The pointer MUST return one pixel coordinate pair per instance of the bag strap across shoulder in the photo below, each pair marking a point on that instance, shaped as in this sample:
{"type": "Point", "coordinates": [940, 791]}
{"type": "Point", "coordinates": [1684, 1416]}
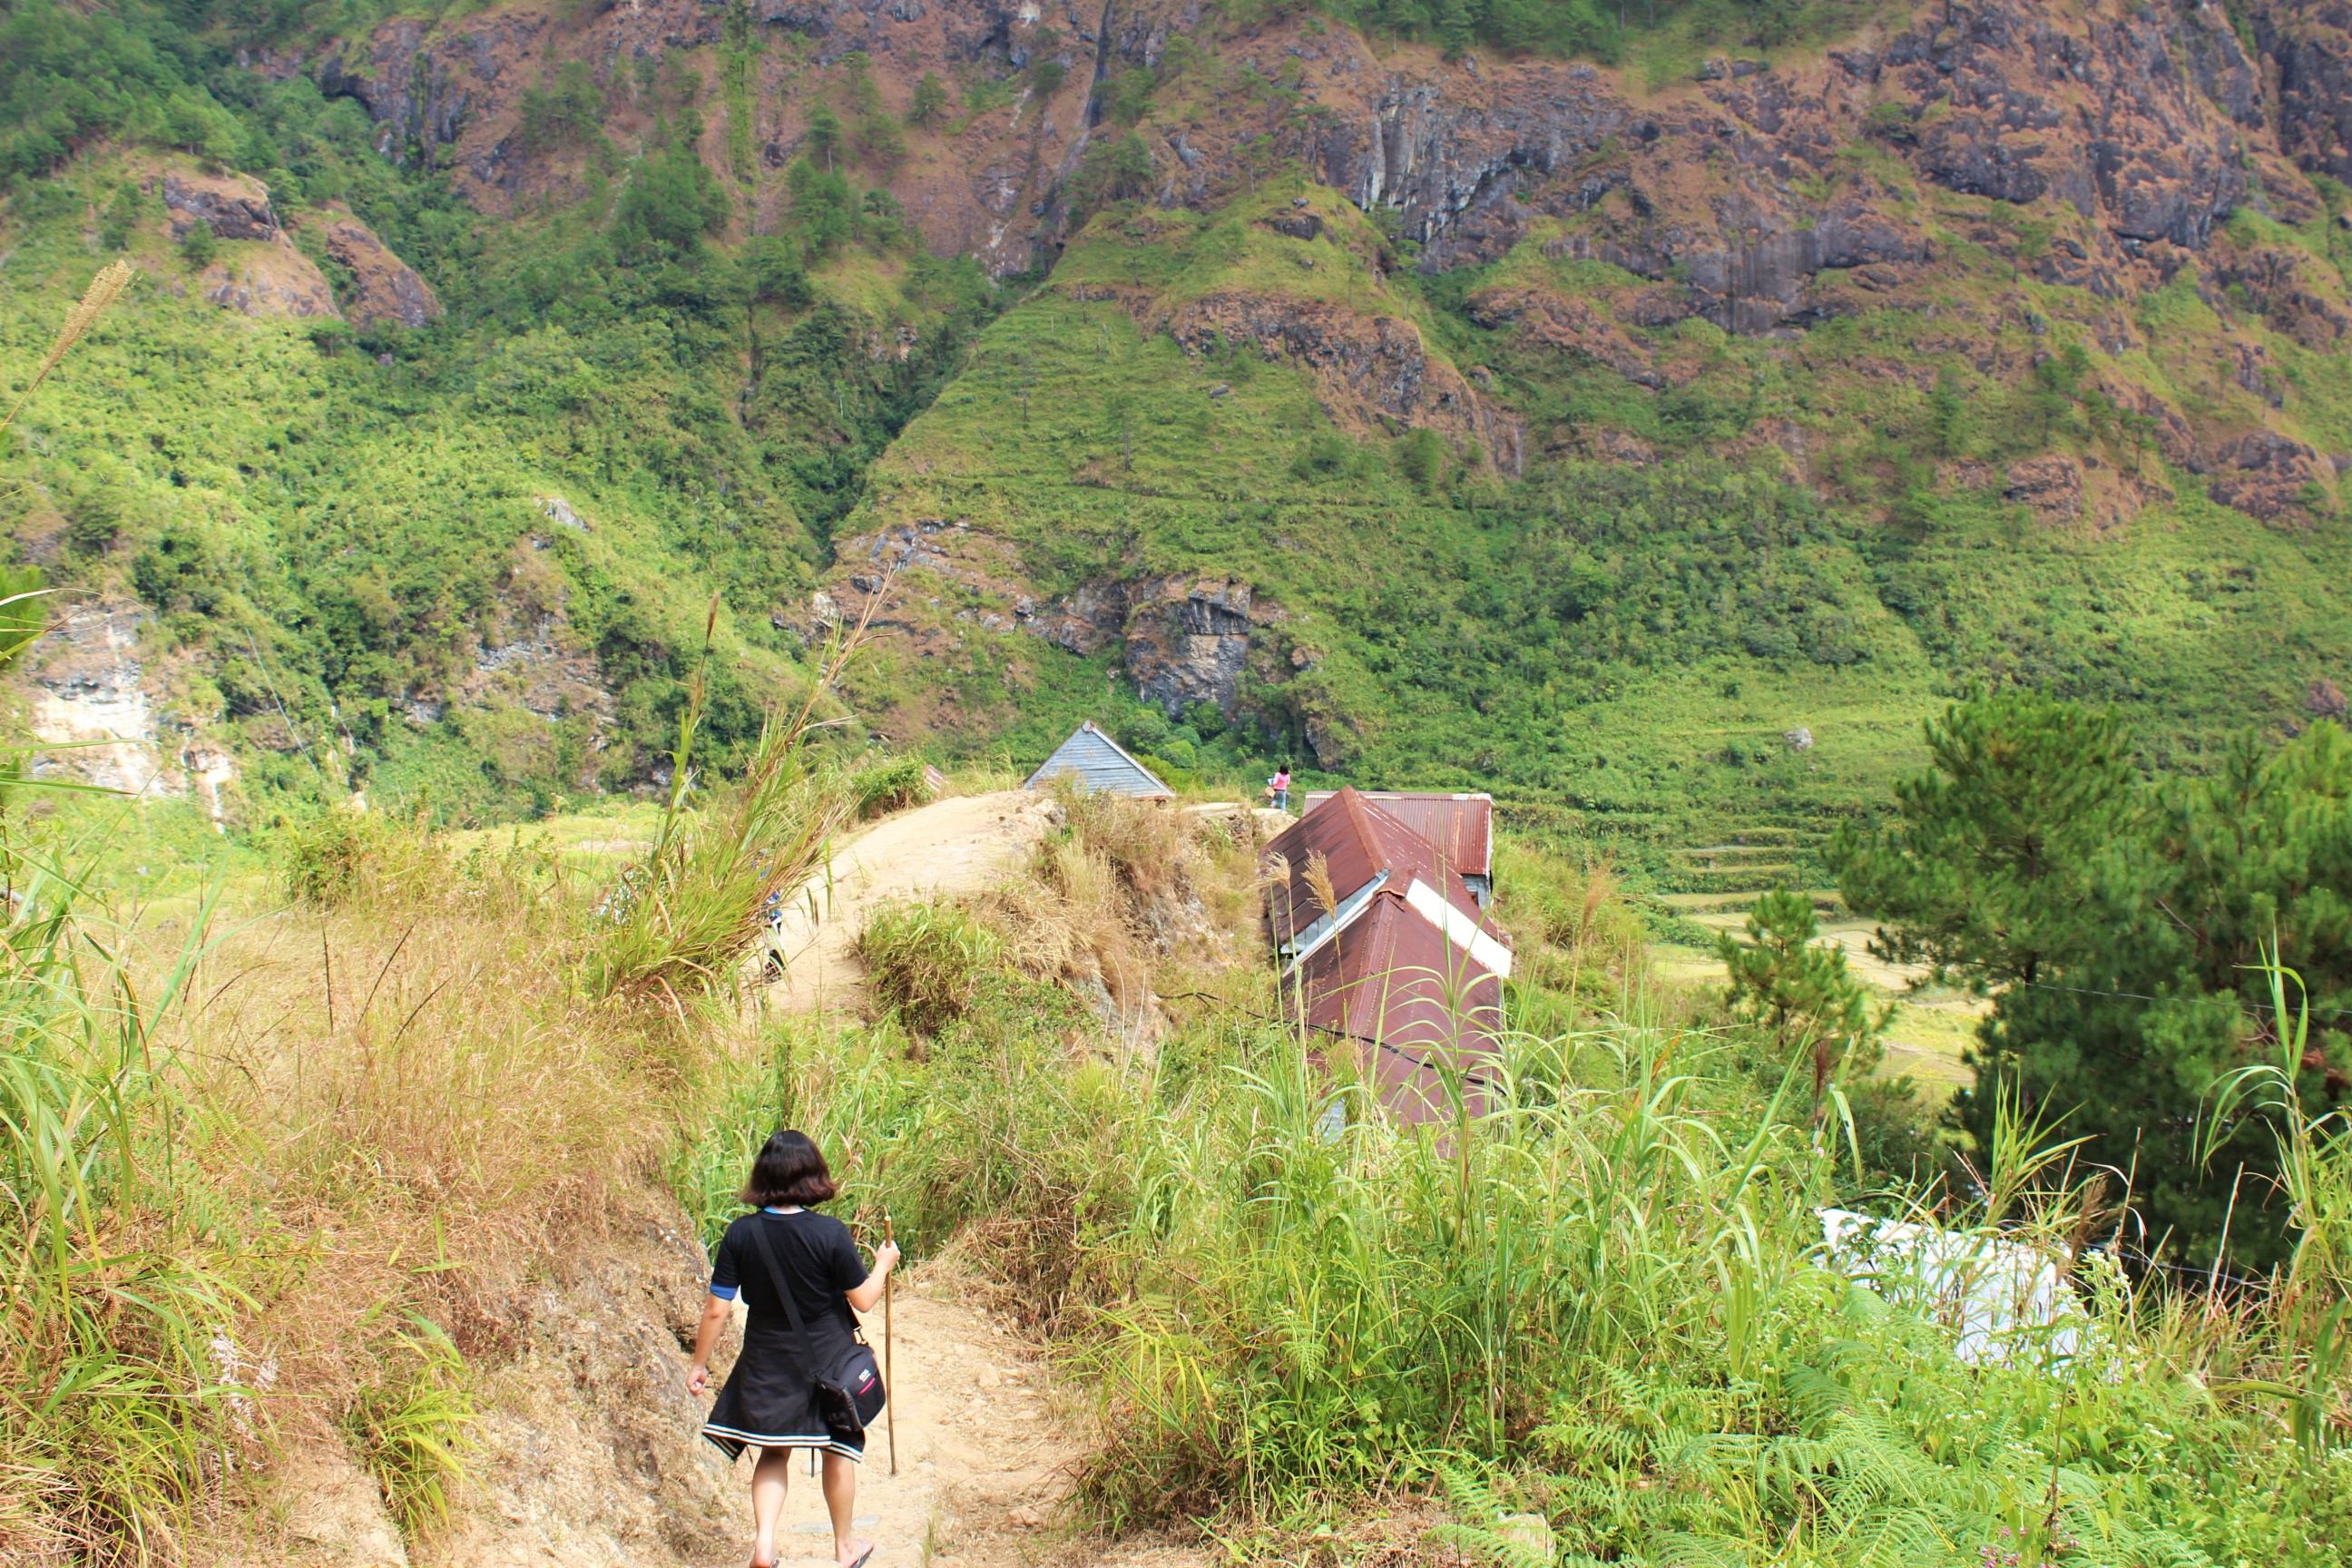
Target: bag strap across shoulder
{"type": "Point", "coordinates": [783, 1286]}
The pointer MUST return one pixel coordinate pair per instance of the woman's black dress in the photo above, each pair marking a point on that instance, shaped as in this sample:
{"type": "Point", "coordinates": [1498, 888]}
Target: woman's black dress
{"type": "Point", "coordinates": [769, 1399]}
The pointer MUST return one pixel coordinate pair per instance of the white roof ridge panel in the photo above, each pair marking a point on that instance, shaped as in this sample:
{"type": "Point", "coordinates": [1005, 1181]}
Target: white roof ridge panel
{"type": "Point", "coordinates": [1458, 928]}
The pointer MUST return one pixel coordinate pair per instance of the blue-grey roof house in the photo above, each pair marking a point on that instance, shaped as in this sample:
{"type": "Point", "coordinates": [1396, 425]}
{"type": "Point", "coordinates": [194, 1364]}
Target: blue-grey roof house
{"type": "Point", "coordinates": [1097, 762]}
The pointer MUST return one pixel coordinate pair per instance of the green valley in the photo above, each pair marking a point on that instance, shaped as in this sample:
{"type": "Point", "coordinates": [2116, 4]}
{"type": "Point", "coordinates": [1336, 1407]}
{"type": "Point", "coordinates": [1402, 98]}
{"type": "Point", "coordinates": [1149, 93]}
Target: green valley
{"type": "Point", "coordinates": [1498, 504]}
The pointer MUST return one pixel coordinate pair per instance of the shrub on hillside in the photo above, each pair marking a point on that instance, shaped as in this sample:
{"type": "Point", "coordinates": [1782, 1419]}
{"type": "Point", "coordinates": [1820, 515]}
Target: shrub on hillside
{"type": "Point", "coordinates": [565, 115]}
{"type": "Point", "coordinates": [1142, 842]}
{"type": "Point", "coordinates": [198, 246]}
{"type": "Point", "coordinates": [927, 961]}
{"type": "Point", "coordinates": [672, 201]}
{"type": "Point", "coordinates": [412, 1426]}
{"type": "Point", "coordinates": [336, 855]}
{"type": "Point", "coordinates": [891, 785]}
{"type": "Point", "coordinates": [823, 214]}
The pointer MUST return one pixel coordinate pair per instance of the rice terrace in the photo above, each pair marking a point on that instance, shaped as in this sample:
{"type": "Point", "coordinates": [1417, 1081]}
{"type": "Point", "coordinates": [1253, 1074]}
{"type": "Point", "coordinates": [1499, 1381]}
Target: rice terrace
{"type": "Point", "coordinates": [1349, 783]}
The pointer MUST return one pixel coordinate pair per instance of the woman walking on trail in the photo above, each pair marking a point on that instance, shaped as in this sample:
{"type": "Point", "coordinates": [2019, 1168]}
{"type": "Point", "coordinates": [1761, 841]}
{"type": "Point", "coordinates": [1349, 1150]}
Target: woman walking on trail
{"type": "Point", "coordinates": [768, 1401]}
{"type": "Point", "coordinates": [1277, 788]}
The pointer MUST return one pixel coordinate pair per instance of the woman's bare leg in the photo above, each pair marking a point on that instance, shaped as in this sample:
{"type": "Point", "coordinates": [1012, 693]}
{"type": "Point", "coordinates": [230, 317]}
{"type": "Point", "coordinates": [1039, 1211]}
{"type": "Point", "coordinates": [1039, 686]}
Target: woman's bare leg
{"type": "Point", "coordinates": [769, 1478]}
{"type": "Point", "coordinates": [841, 1501]}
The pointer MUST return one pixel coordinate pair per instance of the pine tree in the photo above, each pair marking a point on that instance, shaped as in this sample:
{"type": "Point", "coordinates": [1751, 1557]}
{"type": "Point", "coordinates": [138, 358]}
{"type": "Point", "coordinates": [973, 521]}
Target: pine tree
{"type": "Point", "coordinates": [1783, 980]}
{"type": "Point", "coordinates": [1457, 27]}
{"type": "Point", "coordinates": [929, 102]}
{"type": "Point", "coordinates": [2121, 923]}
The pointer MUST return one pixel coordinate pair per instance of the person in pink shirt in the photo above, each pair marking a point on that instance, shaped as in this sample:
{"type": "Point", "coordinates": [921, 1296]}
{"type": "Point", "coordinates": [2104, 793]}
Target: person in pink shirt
{"type": "Point", "coordinates": [1277, 788]}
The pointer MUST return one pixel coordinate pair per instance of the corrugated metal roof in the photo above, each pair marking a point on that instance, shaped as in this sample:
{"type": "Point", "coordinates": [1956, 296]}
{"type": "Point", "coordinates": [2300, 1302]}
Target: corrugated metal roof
{"type": "Point", "coordinates": [1358, 840]}
{"type": "Point", "coordinates": [1410, 1003]}
{"type": "Point", "coordinates": [1097, 762]}
{"type": "Point", "coordinates": [1406, 966]}
{"type": "Point", "coordinates": [1462, 826]}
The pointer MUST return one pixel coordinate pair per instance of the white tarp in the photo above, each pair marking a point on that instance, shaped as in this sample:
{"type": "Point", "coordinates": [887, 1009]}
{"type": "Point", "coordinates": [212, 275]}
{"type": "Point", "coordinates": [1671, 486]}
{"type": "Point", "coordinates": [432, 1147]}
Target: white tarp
{"type": "Point", "coordinates": [2005, 1302]}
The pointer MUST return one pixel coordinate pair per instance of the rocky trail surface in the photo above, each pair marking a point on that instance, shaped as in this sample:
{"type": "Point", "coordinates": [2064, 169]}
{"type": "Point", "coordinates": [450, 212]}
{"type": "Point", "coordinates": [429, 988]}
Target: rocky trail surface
{"type": "Point", "coordinates": [952, 845]}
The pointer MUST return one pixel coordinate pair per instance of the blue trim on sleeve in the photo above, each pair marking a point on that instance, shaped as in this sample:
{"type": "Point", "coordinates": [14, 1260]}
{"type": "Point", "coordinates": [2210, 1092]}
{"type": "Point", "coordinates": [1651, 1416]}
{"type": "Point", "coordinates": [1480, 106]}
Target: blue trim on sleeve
{"type": "Point", "coordinates": [724, 1292]}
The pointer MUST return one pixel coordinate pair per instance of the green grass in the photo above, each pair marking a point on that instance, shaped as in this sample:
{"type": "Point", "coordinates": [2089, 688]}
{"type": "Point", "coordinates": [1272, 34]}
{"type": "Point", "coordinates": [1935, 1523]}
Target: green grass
{"type": "Point", "coordinates": [927, 962]}
{"type": "Point", "coordinates": [120, 1267]}
{"type": "Point", "coordinates": [1601, 1306]}
{"type": "Point", "coordinates": [412, 1428]}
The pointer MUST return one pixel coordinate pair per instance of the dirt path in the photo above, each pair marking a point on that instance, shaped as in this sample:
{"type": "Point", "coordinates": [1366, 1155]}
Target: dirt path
{"type": "Point", "coordinates": [950, 846]}
{"type": "Point", "coordinates": [985, 1454]}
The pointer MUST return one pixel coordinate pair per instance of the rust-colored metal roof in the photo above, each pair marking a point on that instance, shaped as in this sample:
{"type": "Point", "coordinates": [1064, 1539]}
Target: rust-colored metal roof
{"type": "Point", "coordinates": [1358, 840]}
{"type": "Point", "coordinates": [1412, 1003]}
{"type": "Point", "coordinates": [1406, 966]}
{"type": "Point", "coordinates": [1461, 827]}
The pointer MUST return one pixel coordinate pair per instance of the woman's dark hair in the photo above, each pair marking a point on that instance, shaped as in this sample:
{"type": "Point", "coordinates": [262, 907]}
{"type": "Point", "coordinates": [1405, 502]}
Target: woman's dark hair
{"type": "Point", "coordinates": [788, 1171]}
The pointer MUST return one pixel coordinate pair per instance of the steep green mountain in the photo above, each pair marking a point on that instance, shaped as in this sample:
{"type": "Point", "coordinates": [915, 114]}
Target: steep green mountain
{"type": "Point", "coordinates": [1649, 418]}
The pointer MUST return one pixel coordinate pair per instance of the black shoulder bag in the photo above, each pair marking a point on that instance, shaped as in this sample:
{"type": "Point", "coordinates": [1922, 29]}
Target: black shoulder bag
{"type": "Point", "coordinates": [848, 1395]}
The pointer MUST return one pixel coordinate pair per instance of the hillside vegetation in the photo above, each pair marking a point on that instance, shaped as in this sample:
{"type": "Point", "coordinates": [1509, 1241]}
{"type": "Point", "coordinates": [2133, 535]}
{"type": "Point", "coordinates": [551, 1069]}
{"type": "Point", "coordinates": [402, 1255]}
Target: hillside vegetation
{"type": "Point", "coordinates": [1761, 443]}
{"type": "Point", "coordinates": [1678, 520]}
{"type": "Point", "coordinates": [309, 1237]}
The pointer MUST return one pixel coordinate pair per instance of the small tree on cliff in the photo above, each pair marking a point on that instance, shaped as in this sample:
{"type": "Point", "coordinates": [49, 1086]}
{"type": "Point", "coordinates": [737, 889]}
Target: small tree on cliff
{"type": "Point", "coordinates": [931, 101]}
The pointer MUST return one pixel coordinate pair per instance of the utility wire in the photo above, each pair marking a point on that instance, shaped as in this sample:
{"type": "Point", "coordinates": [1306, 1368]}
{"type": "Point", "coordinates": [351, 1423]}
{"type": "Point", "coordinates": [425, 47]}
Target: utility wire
{"type": "Point", "coordinates": [1468, 1074]}
{"type": "Point", "coordinates": [2143, 997]}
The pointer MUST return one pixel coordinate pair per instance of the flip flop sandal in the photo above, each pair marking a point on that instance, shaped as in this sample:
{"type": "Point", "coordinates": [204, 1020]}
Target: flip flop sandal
{"type": "Point", "coordinates": [863, 1558]}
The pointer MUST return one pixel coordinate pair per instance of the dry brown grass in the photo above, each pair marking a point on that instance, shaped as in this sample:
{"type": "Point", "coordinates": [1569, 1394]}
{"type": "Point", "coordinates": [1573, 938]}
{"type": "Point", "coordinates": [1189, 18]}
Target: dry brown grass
{"type": "Point", "coordinates": [414, 1097]}
{"type": "Point", "coordinates": [1130, 901]}
{"type": "Point", "coordinates": [1576, 933]}
{"type": "Point", "coordinates": [1110, 900]}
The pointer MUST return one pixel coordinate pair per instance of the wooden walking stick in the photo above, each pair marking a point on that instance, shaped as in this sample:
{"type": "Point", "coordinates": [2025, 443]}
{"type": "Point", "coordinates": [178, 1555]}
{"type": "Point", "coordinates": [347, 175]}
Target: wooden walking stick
{"type": "Point", "coordinates": [890, 1403]}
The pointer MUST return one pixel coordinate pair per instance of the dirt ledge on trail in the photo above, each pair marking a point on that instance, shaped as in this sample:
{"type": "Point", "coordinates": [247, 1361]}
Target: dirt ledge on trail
{"type": "Point", "coordinates": [592, 1452]}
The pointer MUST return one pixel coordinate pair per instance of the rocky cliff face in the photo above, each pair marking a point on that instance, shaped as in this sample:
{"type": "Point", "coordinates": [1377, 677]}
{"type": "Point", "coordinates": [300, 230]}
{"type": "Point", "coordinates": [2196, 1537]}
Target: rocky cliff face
{"type": "Point", "coordinates": [1762, 196]}
{"type": "Point", "coordinates": [279, 278]}
{"type": "Point", "coordinates": [2147, 121]}
{"type": "Point", "coordinates": [2005, 176]}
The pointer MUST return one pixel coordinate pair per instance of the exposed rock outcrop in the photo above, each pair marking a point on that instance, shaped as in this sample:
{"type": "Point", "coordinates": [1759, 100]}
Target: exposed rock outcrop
{"type": "Point", "coordinates": [2264, 474]}
{"type": "Point", "coordinates": [1189, 641]}
{"type": "Point", "coordinates": [236, 205]}
{"type": "Point", "coordinates": [1374, 367]}
{"type": "Point", "coordinates": [280, 279]}
{"type": "Point", "coordinates": [2310, 48]}
{"type": "Point", "coordinates": [383, 287]}
{"type": "Point", "coordinates": [93, 696]}
{"type": "Point", "coordinates": [277, 281]}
